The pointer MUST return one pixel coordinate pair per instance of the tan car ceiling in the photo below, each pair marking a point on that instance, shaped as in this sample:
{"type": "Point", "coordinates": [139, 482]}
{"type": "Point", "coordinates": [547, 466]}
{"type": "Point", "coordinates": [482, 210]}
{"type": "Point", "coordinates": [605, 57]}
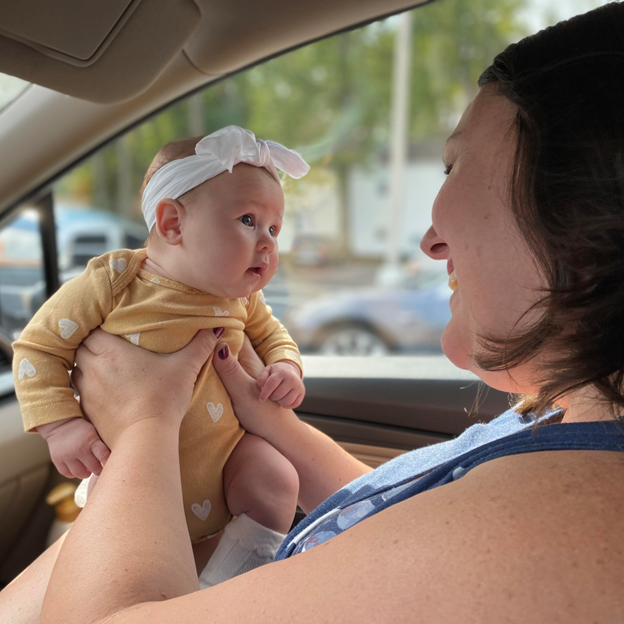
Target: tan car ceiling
{"type": "Point", "coordinates": [110, 51]}
{"type": "Point", "coordinates": [118, 64]}
{"type": "Point", "coordinates": [233, 34]}
{"type": "Point", "coordinates": [43, 132]}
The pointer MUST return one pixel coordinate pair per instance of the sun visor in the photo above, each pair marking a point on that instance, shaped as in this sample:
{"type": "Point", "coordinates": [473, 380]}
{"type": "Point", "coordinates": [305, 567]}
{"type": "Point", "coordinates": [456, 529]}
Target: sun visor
{"type": "Point", "coordinates": [99, 51]}
{"type": "Point", "coordinates": [266, 28]}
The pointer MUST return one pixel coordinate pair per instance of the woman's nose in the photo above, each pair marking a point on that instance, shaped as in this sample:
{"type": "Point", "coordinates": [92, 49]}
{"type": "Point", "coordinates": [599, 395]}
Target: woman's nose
{"type": "Point", "coordinates": [433, 245]}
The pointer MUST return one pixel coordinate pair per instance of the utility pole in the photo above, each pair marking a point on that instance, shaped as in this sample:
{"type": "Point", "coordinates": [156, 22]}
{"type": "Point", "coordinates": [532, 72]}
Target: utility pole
{"type": "Point", "coordinates": [390, 273]}
{"type": "Point", "coordinates": [195, 115]}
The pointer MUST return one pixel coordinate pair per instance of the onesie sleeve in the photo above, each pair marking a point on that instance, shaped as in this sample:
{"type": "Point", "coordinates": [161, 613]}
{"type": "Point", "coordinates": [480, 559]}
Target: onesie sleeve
{"type": "Point", "coordinates": [268, 336]}
{"type": "Point", "coordinates": [44, 353]}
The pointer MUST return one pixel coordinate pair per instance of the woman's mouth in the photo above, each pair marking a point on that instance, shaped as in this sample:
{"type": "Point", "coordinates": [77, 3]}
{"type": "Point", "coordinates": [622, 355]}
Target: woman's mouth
{"type": "Point", "coordinates": [452, 281]}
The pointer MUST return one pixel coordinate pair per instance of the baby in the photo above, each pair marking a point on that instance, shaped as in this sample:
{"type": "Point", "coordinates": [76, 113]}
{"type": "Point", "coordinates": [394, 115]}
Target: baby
{"type": "Point", "coordinates": [214, 209]}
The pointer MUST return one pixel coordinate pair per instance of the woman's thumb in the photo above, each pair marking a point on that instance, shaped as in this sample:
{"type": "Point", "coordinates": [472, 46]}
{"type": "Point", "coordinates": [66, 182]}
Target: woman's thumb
{"type": "Point", "coordinates": [199, 349]}
{"type": "Point", "coordinates": [230, 371]}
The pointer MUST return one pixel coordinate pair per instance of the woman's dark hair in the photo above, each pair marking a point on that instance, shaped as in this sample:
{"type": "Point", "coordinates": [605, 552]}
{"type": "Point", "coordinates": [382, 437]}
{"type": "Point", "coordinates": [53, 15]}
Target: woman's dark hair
{"type": "Point", "coordinates": [567, 199]}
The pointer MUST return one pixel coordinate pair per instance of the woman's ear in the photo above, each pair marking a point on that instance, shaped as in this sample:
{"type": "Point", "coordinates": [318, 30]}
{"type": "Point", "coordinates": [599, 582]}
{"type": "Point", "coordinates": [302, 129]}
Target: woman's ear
{"type": "Point", "coordinates": [169, 216]}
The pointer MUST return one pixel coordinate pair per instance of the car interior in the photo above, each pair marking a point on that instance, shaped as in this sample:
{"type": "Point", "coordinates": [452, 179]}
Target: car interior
{"type": "Point", "coordinates": [94, 71]}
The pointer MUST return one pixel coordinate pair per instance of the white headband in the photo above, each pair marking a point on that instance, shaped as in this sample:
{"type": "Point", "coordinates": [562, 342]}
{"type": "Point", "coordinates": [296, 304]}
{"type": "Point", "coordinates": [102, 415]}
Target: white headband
{"type": "Point", "coordinates": [214, 154]}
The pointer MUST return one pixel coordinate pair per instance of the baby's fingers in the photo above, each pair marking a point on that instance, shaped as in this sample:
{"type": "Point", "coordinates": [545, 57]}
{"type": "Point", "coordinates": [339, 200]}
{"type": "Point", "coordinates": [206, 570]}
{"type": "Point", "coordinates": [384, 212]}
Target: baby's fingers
{"type": "Point", "coordinates": [92, 464]}
{"type": "Point", "coordinates": [63, 469]}
{"type": "Point", "coordinates": [271, 384]}
{"type": "Point", "coordinates": [281, 392]}
{"type": "Point", "coordinates": [263, 376]}
{"type": "Point", "coordinates": [292, 400]}
{"type": "Point", "coordinates": [101, 452]}
{"type": "Point", "coordinates": [288, 401]}
{"type": "Point", "coordinates": [78, 469]}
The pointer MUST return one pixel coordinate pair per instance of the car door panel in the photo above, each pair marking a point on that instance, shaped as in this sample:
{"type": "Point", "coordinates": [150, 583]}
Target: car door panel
{"type": "Point", "coordinates": [24, 471]}
{"type": "Point", "coordinates": [405, 401]}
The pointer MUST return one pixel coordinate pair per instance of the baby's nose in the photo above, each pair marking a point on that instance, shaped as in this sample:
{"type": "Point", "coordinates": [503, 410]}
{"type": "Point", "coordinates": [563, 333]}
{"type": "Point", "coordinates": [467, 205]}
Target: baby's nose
{"type": "Point", "coordinates": [267, 243]}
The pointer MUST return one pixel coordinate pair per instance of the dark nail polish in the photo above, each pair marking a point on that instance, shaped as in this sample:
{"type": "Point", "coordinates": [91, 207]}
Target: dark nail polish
{"type": "Point", "coordinates": [224, 351]}
{"type": "Point", "coordinates": [218, 331]}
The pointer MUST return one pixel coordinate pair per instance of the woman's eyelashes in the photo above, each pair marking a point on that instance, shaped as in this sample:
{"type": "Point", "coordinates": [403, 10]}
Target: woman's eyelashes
{"type": "Point", "coordinates": [448, 169]}
{"type": "Point", "coordinates": [248, 220]}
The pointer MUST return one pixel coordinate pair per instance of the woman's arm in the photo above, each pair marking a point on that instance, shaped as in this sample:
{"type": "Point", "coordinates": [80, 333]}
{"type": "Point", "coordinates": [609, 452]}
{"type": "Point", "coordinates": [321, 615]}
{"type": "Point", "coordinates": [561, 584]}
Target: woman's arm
{"type": "Point", "coordinates": [323, 466]}
{"type": "Point", "coordinates": [136, 507]}
{"type": "Point", "coordinates": [496, 545]}
{"type": "Point", "coordinates": [137, 400]}
{"type": "Point", "coordinates": [488, 548]}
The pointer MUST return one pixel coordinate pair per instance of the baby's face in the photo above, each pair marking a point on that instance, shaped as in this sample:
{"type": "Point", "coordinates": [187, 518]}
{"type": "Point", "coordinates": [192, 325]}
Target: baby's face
{"type": "Point", "coordinates": [230, 233]}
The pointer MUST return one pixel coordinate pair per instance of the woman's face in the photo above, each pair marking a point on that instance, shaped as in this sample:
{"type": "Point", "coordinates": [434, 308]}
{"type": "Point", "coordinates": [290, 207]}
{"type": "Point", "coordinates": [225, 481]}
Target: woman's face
{"type": "Point", "coordinates": [497, 279]}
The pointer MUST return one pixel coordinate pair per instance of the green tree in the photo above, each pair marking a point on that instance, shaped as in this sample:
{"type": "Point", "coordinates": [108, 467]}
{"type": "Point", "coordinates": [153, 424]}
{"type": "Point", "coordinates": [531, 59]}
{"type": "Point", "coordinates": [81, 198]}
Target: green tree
{"type": "Point", "coordinates": [331, 100]}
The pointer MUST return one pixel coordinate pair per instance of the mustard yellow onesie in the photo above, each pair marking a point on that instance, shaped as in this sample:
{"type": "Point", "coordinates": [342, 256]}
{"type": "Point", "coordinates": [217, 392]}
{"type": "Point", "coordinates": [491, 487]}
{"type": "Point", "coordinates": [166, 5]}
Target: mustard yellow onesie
{"type": "Point", "coordinates": [160, 315]}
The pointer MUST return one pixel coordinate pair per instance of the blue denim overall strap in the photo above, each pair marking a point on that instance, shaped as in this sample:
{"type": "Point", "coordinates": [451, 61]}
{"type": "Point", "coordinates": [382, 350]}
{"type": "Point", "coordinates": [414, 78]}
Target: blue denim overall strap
{"type": "Point", "coordinates": [373, 493]}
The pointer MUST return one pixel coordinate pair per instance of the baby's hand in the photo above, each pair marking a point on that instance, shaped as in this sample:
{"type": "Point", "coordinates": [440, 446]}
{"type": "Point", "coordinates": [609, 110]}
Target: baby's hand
{"type": "Point", "coordinates": [75, 447]}
{"type": "Point", "coordinates": [281, 382]}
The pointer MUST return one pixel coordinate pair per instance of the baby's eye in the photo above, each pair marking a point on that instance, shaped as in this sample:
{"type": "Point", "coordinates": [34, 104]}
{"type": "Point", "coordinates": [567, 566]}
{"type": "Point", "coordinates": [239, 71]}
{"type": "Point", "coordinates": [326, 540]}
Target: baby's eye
{"type": "Point", "coordinates": [273, 231]}
{"type": "Point", "coordinates": [247, 220]}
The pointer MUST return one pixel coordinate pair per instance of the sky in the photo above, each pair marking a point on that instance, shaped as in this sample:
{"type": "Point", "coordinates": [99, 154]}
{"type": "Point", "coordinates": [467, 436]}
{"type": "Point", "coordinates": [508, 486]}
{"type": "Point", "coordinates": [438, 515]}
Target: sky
{"type": "Point", "coordinates": [541, 13]}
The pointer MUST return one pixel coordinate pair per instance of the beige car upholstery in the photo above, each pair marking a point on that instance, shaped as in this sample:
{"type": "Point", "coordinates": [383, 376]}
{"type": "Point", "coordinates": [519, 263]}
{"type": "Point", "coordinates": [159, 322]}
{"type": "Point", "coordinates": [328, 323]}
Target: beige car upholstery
{"type": "Point", "coordinates": [56, 45]}
{"type": "Point", "coordinates": [110, 51]}
{"type": "Point", "coordinates": [236, 33]}
{"type": "Point", "coordinates": [24, 470]}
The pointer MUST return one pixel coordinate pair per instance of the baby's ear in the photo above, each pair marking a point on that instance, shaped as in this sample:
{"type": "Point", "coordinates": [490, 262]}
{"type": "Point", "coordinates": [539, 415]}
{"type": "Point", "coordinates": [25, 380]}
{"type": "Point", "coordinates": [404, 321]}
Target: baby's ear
{"type": "Point", "coordinates": [169, 216]}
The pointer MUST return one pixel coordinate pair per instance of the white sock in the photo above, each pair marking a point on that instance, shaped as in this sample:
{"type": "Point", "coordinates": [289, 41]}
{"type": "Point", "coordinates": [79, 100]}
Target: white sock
{"type": "Point", "coordinates": [245, 545]}
{"type": "Point", "coordinates": [84, 490]}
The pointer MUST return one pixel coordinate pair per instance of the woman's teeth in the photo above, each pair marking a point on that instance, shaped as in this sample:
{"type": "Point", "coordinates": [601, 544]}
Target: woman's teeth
{"type": "Point", "coordinates": [452, 280]}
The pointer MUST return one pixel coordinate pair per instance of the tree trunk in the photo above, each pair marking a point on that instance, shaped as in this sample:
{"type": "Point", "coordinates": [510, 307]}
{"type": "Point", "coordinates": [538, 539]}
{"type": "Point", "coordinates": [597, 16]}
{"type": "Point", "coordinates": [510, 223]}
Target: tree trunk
{"type": "Point", "coordinates": [195, 119]}
{"type": "Point", "coordinates": [124, 178]}
{"type": "Point", "coordinates": [101, 195]}
{"type": "Point", "coordinates": [341, 169]}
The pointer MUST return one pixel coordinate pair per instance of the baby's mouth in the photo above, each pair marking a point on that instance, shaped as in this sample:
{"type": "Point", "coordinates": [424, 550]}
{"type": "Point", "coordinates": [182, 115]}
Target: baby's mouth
{"type": "Point", "coordinates": [258, 270]}
{"type": "Point", "coordinates": [452, 280]}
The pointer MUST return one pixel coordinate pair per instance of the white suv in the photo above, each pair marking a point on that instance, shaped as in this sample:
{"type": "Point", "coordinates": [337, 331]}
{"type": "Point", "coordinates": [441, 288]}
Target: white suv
{"type": "Point", "coordinates": [81, 234]}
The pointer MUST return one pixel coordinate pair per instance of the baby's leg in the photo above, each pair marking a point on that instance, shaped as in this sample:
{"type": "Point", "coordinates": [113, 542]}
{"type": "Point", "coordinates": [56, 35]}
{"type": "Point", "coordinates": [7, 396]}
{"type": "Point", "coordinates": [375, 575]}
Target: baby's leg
{"type": "Point", "coordinates": [260, 482]}
{"type": "Point", "coordinates": [261, 489]}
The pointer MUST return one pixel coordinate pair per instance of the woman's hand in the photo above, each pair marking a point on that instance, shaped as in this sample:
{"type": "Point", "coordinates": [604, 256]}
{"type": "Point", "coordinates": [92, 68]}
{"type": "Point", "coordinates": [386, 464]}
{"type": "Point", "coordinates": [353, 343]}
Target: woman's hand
{"type": "Point", "coordinates": [120, 384]}
{"type": "Point", "coordinates": [239, 379]}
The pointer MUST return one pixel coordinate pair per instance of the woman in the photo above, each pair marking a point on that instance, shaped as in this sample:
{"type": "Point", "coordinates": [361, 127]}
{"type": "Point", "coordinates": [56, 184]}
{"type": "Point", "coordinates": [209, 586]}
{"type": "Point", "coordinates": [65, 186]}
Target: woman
{"type": "Point", "coordinates": [517, 523]}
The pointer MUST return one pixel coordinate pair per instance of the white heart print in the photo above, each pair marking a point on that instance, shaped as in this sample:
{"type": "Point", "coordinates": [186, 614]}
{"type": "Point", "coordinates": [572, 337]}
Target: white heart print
{"type": "Point", "coordinates": [155, 280]}
{"type": "Point", "coordinates": [134, 338]}
{"type": "Point", "coordinates": [220, 312]}
{"type": "Point", "coordinates": [26, 368]}
{"type": "Point", "coordinates": [245, 301]}
{"type": "Point", "coordinates": [68, 326]}
{"type": "Point", "coordinates": [215, 411]}
{"type": "Point", "coordinates": [118, 264]}
{"type": "Point", "coordinates": [201, 511]}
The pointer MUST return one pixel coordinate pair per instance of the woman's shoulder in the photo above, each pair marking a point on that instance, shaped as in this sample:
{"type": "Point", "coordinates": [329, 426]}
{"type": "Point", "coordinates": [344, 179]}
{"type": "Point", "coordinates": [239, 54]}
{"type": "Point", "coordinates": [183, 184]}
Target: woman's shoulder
{"type": "Point", "coordinates": [532, 537]}
{"type": "Point", "coordinates": [531, 533]}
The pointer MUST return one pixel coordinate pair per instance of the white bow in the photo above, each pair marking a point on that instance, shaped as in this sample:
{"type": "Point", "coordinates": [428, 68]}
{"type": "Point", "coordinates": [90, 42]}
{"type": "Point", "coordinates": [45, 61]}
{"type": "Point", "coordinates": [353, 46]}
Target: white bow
{"type": "Point", "coordinates": [214, 154]}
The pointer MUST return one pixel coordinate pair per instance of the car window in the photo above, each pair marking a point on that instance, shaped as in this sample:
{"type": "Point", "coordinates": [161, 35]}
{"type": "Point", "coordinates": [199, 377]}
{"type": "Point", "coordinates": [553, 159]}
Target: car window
{"type": "Point", "coordinates": [10, 89]}
{"type": "Point", "coordinates": [21, 269]}
{"type": "Point", "coordinates": [352, 280]}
